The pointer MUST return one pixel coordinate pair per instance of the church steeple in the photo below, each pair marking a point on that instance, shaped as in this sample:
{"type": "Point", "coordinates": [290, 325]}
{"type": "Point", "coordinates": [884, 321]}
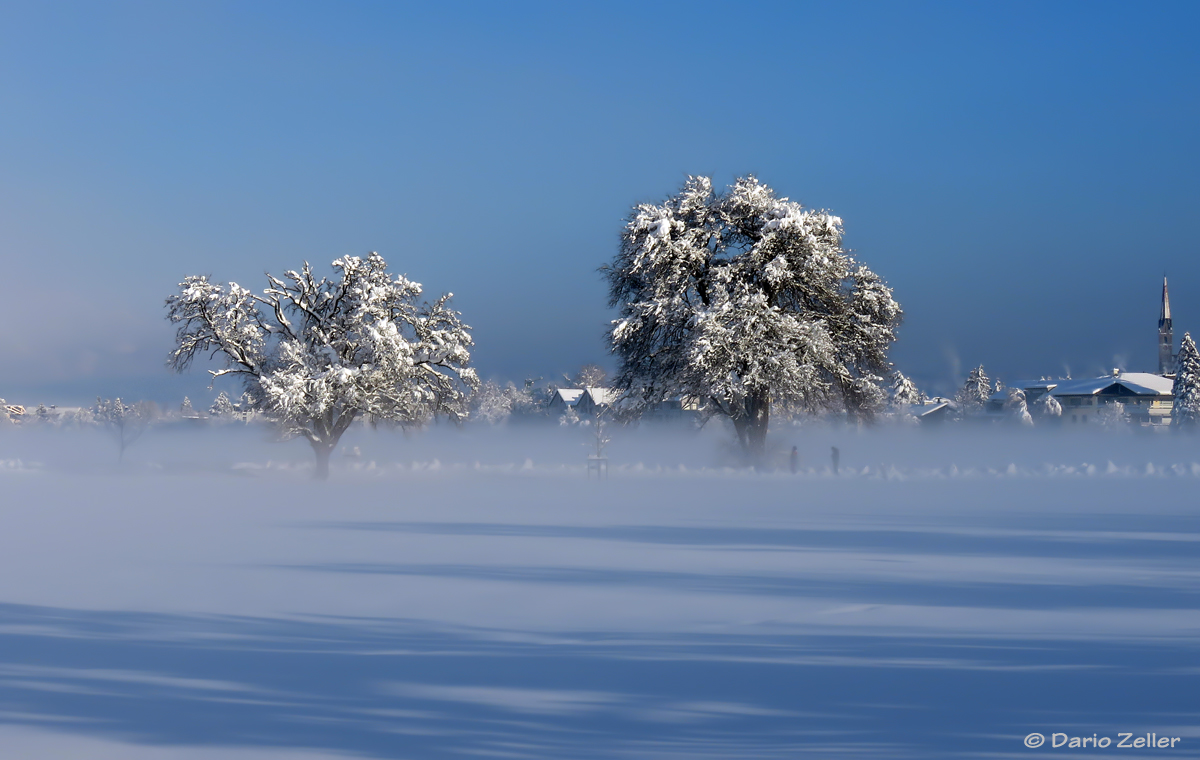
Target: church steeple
{"type": "Point", "coordinates": [1166, 341]}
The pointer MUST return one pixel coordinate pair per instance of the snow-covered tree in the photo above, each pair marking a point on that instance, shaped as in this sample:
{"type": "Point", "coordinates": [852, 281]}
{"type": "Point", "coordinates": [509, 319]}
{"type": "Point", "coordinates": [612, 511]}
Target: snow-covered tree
{"type": "Point", "coordinates": [529, 399]}
{"type": "Point", "coordinates": [975, 391]}
{"type": "Point", "coordinates": [124, 422]}
{"type": "Point", "coordinates": [1185, 413]}
{"type": "Point", "coordinates": [315, 355]}
{"type": "Point", "coordinates": [590, 376]}
{"type": "Point", "coordinates": [746, 301]}
{"type": "Point", "coordinates": [569, 417]}
{"type": "Point", "coordinates": [1047, 406]}
{"type": "Point", "coordinates": [1112, 415]}
{"type": "Point", "coordinates": [222, 408]}
{"type": "Point", "coordinates": [491, 403]}
{"type": "Point", "coordinates": [904, 391]}
{"type": "Point", "coordinates": [1016, 407]}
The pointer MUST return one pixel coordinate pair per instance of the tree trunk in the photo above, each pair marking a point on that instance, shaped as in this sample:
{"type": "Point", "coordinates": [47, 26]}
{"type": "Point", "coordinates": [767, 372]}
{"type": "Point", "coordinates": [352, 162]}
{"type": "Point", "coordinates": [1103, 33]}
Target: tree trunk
{"type": "Point", "coordinates": [751, 427]}
{"type": "Point", "coordinates": [756, 435]}
{"type": "Point", "coordinates": [322, 450]}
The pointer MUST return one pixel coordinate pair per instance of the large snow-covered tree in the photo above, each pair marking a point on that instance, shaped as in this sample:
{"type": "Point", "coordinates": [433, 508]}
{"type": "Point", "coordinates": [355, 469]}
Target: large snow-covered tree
{"type": "Point", "coordinates": [1186, 411]}
{"type": "Point", "coordinates": [317, 354]}
{"type": "Point", "coordinates": [747, 302]}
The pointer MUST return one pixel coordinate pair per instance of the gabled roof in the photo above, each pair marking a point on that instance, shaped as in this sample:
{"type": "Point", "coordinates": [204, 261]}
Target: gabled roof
{"type": "Point", "coordinates": [601, 396]}
{"type": "Point", "coordinates": [569, 396]}
{"type": "Point", "coordinates": [1139, 383]}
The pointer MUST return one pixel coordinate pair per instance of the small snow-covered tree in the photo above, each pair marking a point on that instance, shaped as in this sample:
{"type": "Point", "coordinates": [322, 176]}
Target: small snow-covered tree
{"type": "Point", "coordinates": [123, 422]}
{"type": "Point", "coordinates": [590, 376]}
{"type": "Point", "coordinates": [1047, 406]}
{"type": "Point", "coordinates": [528, 399]}
{"type": "Point", "coordinates": [1112, 415]}
{"type": "Point", "coordinates": [1016, 407]}
{"type": "Point", "coordinates": [491, 403]}
{"type": "Point", "coordinates": [569, 417]}
{"type": "Point", "coordinates": [904, 391]}
{"type": "Point", "coordinates": [317, 354]}
{"type": "Point", "coordinates": [746, 301]}
{"type": "Point", "coordinates": [222, 408]}
{"type": "Point", "coordinates": [975, 391]}
{"type": "Point", "coordinates": [1185, 413]}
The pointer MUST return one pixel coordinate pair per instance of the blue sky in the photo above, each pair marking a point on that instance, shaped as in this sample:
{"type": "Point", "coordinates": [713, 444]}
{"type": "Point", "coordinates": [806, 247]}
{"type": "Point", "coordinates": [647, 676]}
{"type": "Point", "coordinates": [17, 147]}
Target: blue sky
{"type": "Point", "coordinates": [1023, 174]}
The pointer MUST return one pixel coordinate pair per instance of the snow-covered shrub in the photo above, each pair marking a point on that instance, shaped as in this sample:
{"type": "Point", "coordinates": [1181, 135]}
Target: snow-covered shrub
{"type": "Point", "coordinates": [1185, 413]}
{"type": "Point", "coordinates": [1016, 407]}
{"type": "Point", "coordinates": [1047, 406]}
{"type": "Point", "coordinates": [1112, 415]}
{"type": "Point", "coordinates": [320, 354]}
{"type": "Point", "coordinates": [746, 301]}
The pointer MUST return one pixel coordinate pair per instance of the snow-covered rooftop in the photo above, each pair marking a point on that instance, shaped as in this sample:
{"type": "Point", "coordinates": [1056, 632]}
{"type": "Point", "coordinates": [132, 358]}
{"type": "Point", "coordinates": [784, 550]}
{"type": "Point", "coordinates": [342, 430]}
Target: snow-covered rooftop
{"type": "Point", "coordinates": [1140, 383]}
{"type": "Point", "coordinates": [928, 408]}
{"type": "Point", "coordinates": [601, 396]}
{"type": "Point", "coordinates": [569, 396]}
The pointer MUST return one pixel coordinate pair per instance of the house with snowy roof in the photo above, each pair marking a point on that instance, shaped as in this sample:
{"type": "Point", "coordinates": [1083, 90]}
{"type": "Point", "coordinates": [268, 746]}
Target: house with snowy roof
{"type": "Point", "coordinates": [594, 400]}
{"type": "Point", "coordinates": [563, 399]}
{"type": "Point", "coordinates": [933, 410]}
{"type": "Point", "coordinates": [1147, 399]}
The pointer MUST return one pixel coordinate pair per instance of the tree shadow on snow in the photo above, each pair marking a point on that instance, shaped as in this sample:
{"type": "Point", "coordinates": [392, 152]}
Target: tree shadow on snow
{"type": "Point", "coordinates": [394, 688]}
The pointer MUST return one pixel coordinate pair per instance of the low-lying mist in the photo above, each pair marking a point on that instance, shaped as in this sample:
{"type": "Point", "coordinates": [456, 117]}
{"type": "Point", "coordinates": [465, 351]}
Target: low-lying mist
{"type": "Point", "coordinates": [863, 451]}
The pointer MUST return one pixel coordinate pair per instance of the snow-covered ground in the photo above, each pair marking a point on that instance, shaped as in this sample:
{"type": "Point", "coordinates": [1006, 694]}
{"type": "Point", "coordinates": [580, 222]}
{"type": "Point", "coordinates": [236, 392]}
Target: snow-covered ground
{"type": "Point", "coordinates": [467, 593]}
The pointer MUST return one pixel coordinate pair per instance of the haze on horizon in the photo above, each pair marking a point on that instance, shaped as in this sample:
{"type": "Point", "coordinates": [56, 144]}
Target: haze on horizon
{"type": "Point", "coordinates": [1023, 175]}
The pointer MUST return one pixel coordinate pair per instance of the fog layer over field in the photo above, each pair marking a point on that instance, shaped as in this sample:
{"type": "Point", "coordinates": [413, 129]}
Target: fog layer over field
{"type": "Point", "coordinates": [464, 592]}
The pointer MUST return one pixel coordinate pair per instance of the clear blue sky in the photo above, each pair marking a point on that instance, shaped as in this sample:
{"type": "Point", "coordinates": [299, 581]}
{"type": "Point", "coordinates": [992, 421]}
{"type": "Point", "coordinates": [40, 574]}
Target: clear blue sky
{"type": "Point", "coordinates": [1022, 173]}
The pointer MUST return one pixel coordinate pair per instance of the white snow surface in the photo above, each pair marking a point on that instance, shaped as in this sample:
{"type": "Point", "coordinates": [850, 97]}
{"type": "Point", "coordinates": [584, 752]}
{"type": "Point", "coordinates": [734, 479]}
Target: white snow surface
{"type": "Point", "coordinates": [470, 592]}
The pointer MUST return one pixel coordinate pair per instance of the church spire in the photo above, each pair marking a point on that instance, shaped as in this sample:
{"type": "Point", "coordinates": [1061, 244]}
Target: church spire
{"type": "Point", "coordinates": [1164, 316]}
{"type": "Point", "coordinates": [1166, 341]}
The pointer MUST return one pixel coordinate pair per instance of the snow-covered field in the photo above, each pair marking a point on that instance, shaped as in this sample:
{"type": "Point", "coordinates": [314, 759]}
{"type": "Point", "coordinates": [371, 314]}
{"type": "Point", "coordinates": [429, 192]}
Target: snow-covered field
{"type": "Point", "coordinates": [470, 593]}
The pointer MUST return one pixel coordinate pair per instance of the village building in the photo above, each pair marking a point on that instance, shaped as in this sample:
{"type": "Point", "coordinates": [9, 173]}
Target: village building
{"type": "Point", "coordinates": [594, 400]}
{"type": "Point", "coordinates": [1146, 398]}
{"type": "Point", "coordinates": [563, 399]}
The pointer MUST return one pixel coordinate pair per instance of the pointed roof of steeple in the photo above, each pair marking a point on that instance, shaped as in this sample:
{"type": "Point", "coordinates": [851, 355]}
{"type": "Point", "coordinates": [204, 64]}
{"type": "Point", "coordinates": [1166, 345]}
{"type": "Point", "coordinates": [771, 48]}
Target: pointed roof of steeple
{"type": "Point", "coordinates": [1165, 314]}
